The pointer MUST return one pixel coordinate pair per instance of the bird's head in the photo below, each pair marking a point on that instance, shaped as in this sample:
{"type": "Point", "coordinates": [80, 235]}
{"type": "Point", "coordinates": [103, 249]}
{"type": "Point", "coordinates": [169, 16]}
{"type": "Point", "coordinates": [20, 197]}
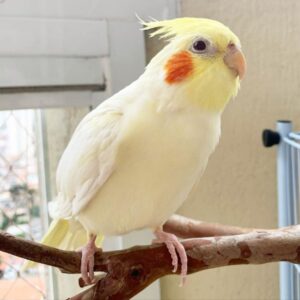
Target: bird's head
{"type": "Point", "coordinates": [202, 62]}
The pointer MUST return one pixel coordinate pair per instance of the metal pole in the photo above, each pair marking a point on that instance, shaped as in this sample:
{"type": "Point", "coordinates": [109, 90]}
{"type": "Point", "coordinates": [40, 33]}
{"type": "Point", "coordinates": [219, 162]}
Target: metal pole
{"type": "Point", "coordinates": [284, 198]}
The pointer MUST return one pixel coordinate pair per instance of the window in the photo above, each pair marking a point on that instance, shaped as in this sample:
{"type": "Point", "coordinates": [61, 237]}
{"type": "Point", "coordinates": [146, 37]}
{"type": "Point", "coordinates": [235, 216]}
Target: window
{"type": "Point", "coordinates": [59, 60]}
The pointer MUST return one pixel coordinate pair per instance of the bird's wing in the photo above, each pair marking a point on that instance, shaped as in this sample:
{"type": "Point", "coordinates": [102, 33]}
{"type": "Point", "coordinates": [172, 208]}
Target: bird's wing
{"type": "Point", "coordinates": [88, 160]}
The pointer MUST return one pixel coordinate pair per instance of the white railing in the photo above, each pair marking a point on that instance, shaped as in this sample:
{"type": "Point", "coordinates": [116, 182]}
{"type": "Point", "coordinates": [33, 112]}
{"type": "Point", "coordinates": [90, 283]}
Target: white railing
{"type": "Point", "coordinates": [288, 176]}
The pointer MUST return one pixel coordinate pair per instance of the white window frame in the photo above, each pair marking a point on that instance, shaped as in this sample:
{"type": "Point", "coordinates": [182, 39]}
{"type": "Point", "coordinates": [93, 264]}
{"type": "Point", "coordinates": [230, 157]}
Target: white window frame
{"type": "Point", "coordinates": [96, 63]}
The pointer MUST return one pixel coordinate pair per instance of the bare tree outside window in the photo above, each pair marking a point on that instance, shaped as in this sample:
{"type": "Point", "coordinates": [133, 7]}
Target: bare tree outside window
{"type": "Point", "coordinates": [19, 201]}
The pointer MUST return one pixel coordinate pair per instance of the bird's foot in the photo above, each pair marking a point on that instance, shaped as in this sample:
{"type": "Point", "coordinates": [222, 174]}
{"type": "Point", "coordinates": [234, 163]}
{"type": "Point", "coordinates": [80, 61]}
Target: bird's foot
{"type": "Point", "coordinates": [173, 245]}
{"type": "Point", "coordinates": [87, 261]}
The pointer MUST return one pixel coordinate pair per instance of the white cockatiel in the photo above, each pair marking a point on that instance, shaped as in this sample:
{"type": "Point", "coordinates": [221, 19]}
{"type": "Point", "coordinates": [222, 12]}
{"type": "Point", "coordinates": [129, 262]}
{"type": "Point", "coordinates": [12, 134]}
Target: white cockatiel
{"type": "Point", "coordinates": [133, 160]}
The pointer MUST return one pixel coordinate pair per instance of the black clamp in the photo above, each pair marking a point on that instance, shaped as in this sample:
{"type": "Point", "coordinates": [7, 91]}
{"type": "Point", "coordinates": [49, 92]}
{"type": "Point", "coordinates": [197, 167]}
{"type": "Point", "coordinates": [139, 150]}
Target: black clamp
{"type": "Point", "coordinates": [270, 138]}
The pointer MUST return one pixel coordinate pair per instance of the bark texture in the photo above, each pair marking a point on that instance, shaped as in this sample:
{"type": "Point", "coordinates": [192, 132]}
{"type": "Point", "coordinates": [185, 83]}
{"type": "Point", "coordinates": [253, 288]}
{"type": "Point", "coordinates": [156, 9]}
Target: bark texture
{"type": "Point", "coordinates": [131, 270]}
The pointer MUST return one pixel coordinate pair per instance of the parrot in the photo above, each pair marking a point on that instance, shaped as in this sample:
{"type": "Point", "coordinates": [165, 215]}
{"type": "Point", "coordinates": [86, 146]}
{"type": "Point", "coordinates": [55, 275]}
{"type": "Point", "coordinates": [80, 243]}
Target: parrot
{"type": "Point", "coordinates": [134, 159]}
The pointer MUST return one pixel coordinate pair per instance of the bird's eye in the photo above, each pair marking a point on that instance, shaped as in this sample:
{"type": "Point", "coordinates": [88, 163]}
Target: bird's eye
{"type": "Point", "coordinates": [200, 46]}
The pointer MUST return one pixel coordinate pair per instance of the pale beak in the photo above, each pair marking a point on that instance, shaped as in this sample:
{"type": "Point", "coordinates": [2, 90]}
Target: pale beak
{"type": "Point", "coordinates": [235, 60]}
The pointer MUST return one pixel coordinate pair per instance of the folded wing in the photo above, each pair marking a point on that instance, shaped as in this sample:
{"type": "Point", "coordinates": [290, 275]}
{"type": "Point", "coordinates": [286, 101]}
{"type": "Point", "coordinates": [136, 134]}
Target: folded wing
{"type": "Point", "coordinates": [88, 160]}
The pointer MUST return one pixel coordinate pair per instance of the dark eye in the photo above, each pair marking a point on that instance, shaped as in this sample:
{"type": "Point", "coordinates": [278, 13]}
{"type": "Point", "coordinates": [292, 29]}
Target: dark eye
{"type": "Point", "coordinates": [199, 46]}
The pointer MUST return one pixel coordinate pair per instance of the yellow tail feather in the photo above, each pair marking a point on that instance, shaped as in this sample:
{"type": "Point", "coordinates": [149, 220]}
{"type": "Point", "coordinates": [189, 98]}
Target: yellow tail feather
{"type": "Point", "coordinates": [65, 235]}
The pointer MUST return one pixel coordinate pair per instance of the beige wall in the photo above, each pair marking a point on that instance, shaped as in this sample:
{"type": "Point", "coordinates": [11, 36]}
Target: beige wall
{"type": "Point", "coordinates": [239, 185]}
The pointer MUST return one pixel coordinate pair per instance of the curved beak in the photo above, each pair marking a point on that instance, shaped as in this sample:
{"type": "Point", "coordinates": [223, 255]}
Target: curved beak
{"type": "Point", "coordinates": [235, 60]}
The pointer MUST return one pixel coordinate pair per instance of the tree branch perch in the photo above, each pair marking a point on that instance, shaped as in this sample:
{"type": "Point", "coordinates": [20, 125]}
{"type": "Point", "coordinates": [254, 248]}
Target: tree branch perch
{"type": "Point", "coordinates": [131, 270]}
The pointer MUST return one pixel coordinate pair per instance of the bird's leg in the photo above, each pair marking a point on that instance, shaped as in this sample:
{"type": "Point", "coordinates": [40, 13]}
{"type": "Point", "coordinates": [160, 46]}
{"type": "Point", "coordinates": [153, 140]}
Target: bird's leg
{"type": "Point", "coordinates": [87, 260]}
{"type": "Point", "coordinates": [173, 245]}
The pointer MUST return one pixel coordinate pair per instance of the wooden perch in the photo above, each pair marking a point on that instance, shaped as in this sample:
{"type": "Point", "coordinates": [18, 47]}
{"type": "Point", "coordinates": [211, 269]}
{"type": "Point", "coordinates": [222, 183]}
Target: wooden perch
{"type": "Point", "coordinates": [130, 271]}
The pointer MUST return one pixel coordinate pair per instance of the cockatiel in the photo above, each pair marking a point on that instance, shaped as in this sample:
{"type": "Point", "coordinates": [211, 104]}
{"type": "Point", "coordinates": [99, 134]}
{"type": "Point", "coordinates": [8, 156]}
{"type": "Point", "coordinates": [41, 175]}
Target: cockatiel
{"type": "Point", "coordinates": [133, 160]}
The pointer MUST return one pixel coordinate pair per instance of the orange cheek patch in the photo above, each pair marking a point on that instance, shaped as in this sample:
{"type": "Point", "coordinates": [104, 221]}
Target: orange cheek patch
{"type": "Point", "coordinates": [178, 67]}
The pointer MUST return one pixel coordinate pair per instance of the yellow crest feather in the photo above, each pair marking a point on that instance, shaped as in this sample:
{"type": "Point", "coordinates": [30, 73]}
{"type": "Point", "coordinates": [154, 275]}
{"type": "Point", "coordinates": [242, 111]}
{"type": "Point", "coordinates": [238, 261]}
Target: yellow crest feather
{"type": "Point", "coordinates": [187, 26]}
